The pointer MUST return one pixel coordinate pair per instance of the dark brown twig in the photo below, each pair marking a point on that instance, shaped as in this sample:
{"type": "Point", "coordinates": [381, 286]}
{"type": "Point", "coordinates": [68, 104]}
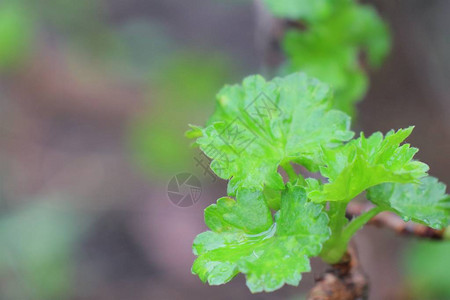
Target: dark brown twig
{"type": "Point", "coordinates": [344, 281]}
{"type": "Point", "coordinates": [394, 222]}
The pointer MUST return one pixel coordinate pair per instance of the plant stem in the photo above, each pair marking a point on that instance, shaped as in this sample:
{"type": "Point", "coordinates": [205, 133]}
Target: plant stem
{"type": "Point", "coordinates": [290, 171]}
{"type": "Point", "coordinates": [338, 219]}
{"type": "Point", "coordinates": [333, 249]}
{"type": "Point", "coordinates": [336, 246]}
{"type": "Point", "coordinates": [359, 222]}
{"type": "Point", "coordinates": [394, 222]}
{"type": "Point", "coordinates": [301, 179]}
{"type": "Point", "coordinates": [346, 279]}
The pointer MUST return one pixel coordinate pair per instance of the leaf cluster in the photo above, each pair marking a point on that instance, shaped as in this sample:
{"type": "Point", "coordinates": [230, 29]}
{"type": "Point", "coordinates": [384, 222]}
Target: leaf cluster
{"type": "Point", "coordinates": [336, 33]}
{"type": "Point", "coordinates": [274, 224]}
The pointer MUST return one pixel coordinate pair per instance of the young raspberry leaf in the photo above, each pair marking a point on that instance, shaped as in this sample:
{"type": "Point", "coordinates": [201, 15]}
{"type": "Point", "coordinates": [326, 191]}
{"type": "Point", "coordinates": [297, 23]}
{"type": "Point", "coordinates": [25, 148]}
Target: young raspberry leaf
{"type": "Point", "coordinates": [263, 124]}
{"type": "Point", "coordinates": [366, 162]}
{"type": "Point", "coordinates": [425, 203]}
{"type": "Point", "coordinates": [245, 239]}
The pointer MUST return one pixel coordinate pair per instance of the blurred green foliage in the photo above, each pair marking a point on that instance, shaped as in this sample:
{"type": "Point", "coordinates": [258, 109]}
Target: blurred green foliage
{"type": "Point", "coordinates": [76, 22]}
{"type": "Point", "coordinates": [182, 92]}
{"type": "Point", "coordinates": [79, 25]}
{"type": "Point", "coordinates": [15, 35]}
{"type": "Point", "coordinates": [142, 47]}
{"type": "Point", "coordinates": [301, 9]}
{"type": "Point", "coordinates": [37, 244]}
{"type": "Point", "coordinates": [427, 266]}
{"type": "Point", "coordinates": [183, 83]}
{"type": "Point", "coordinates": [336, 33]}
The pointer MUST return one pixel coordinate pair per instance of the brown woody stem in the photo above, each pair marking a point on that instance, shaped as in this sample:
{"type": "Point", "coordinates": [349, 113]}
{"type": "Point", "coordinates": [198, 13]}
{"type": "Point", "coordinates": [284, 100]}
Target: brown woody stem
{"type": "Point", "coordinates": [344, 281]}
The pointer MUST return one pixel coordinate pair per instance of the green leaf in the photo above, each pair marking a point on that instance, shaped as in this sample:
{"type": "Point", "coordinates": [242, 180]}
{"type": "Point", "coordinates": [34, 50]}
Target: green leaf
{"type": "Point", "coordinates": [366, 162]}
{"type": "Point", "coordinates": [330, 50]}
{"type": "Point", "coordinates": [263, 124]}
{"type": "Point", "coordinates": [245, 239]}
{"type": "Point", "coordinates": [426, 202]}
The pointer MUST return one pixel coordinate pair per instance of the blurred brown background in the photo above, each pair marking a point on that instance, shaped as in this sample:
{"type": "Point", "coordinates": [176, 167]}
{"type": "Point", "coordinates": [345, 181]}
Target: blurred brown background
{"type": "Point", "coordinates": [95, 97]}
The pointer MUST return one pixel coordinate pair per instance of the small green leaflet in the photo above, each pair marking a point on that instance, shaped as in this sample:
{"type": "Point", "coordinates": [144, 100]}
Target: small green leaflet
{"type": "Point", "coordinates": [263, 124]}
{"type": "Point", "coordinates": [329, 49]}
{"type": "Point", "coordinates": [245, 239]}
{"type": "Point", "coordinates": [426, 202]}
{"type": "Point", "coordinates": [366, 162]}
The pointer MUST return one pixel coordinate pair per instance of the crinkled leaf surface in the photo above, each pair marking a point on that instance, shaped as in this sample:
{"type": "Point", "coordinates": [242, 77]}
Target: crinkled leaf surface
{"type": "Point", "coordinates": [262, 124]}
{"type": "Point", "coordinates": [425, 202]}
{"type": "Point", "coordinates": [366, 162]}
{"type": "Point", "coordinates": [244, 238]}
{"type": "Point", "coordinates": [330, 50]}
